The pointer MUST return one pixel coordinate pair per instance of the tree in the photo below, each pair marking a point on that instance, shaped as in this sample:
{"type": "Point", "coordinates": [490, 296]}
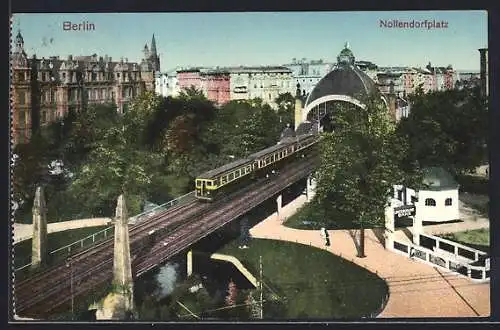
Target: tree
{"type": "Point", "coordinates": [286, 109]}
{"type": "Point", "coordinates": [447, 129]}
{"type": "Point", "coordinates": [243, 127]}
{"type": "Point", "coordinates": [113, 167]}
{"type": "Point", "coordinates": [85, 128]}
{"type": "Point", "coordinates": [29, 168]}
{"type": "Point", "coordinates": [360, 161]}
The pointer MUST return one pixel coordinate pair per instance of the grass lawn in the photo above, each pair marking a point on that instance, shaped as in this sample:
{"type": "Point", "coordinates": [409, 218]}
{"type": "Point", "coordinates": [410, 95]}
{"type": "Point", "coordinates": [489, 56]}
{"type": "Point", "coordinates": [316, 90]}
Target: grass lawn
{"type": "Point", "coordinates": [311, 217]}
{"type": "Point", "coordinates": [473, 184]}
{"type": "Point", "coordinates": [479, 202]}
{"type": "Point", "coordinates": [22, 250]}
{"type": "Point", "coordinates": [314, 283]}
{"type": "Point", "coordinates": [479, 238]}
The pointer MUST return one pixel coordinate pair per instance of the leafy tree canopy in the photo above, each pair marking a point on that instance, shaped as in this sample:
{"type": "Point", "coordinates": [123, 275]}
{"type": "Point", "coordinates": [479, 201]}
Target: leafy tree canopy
{"type": "Point", "coordinates": [447, 129]}
{"type": "Point", "coordinates": [360, 161]}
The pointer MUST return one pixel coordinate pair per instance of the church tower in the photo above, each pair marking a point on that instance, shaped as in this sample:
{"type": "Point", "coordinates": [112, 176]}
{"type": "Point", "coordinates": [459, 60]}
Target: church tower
{"type": "Point", "coordinates": [153, 56]}
{"type": "Point", "coordinates": [150, 64]}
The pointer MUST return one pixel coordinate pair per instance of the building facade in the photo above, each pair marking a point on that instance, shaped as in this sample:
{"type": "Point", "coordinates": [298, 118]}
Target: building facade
{"type": "Point", "coordinates": [216, 86]}
{"type": "Point", "coordinates": [167, 84]}
{"type": "Point", "coordinates": [189, 78]}
{"type": "Point", "coordinates": [308, 73]}
{"type": "Point", "coordinates": [264, 82]}
{"type": "Point", "coordinates": [43, 90]}
{"type": "Point", "coordinates": [384, 81]}
{"type": "Point", "coordinates": [214, 83]}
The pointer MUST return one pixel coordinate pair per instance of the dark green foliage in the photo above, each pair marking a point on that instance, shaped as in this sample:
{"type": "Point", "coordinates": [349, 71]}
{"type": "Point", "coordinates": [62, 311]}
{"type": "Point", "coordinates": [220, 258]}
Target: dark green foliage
{"type": "Point", "coordinates": [153, 151]}
{"type": "Point", "coordinates": [447, 129]}
{"type": "Point", "coordinates": [310, 283]}
{"type": "Point", "coordinates": [360, 162]}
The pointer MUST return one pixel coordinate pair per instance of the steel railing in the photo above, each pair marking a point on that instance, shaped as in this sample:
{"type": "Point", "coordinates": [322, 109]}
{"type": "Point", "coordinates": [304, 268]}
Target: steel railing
{"type": "Point", "coordinates": [108, 232]}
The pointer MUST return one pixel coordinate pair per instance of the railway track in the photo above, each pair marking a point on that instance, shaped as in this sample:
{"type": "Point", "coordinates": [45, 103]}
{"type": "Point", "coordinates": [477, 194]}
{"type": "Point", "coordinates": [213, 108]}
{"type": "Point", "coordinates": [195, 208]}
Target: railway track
{"type": "Point", "coordinates": [183, 223]}
{"type": "Point", "coordinates": [208, 223]}
{"type": "Point", "coordinates": [38, 287]}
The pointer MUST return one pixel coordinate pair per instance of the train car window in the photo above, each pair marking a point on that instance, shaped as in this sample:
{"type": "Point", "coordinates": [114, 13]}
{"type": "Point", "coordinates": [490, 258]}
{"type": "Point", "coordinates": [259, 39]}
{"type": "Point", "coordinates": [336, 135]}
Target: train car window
{"type": "Point", "coordinates": [198, 183]}
{"type": "Point", "coordinates": [209, 183]}
{"type": "Point", "coordinates": [231, 176]}
{"type": "Point", "coordinates": [237, 174]}
{"type": "Point", "coordinates": [223, 179]}
{"type": "Point", "coordinates": [249, 168]}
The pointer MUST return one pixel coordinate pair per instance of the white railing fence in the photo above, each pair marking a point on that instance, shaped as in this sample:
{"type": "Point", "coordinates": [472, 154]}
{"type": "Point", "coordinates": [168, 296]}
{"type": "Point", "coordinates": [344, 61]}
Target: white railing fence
{"type": "Point", "coordinates": [459, 261]}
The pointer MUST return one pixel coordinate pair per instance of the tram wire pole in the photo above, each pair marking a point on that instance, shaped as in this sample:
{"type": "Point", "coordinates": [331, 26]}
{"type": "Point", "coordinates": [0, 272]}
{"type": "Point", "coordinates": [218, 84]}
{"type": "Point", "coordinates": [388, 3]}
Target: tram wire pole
{"type": "Point", "coordinates": [69, 264]}
{"type": "Point", "coordinates": [261, 293]}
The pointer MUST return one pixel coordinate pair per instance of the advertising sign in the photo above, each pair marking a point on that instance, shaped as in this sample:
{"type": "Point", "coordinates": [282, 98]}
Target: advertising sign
{"type": "Point", "coordinates": [404, 211]}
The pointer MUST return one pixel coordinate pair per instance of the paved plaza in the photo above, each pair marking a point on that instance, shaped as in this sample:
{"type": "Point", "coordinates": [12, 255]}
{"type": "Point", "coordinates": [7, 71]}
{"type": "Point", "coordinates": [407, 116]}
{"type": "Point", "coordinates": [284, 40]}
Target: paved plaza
{"type": "Point", "coordinates": [416, 289]}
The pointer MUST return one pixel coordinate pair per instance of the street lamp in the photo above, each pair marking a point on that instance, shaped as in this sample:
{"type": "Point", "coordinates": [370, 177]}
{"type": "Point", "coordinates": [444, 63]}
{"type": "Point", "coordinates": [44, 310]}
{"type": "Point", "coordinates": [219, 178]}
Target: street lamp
{"type": "Point", "coordinates": [70, 266]}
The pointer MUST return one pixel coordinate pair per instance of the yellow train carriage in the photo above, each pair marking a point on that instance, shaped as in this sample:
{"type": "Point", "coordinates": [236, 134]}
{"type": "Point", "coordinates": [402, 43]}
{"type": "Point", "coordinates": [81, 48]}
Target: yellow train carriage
{"type": "Point", "coordinates": [226, 178]}
{"type": "Point", "coordinates": [209, 183]}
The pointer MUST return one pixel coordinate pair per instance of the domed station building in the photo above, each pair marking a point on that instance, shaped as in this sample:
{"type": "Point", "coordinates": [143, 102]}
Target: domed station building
{"type": "Point", "coordinates": [345, 85]}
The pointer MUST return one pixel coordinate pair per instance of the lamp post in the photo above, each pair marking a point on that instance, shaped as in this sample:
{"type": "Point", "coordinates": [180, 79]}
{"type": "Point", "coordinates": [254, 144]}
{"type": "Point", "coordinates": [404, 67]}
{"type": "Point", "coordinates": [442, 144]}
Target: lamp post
{"type": "Point", "coordinates": [70, 266]}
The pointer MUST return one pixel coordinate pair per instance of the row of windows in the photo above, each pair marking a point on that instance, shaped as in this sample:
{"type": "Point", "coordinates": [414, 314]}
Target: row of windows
{"type": "Point", "coordinates": [234, 175]}
{"type": "Point", "coordinates": [276, 157]}
{"type": "Point", "coordinates": [264, 74]}
{"type": "Point", "coordinates": [273, 85]}
{"type": "Point", "coordinates": [432, 202]}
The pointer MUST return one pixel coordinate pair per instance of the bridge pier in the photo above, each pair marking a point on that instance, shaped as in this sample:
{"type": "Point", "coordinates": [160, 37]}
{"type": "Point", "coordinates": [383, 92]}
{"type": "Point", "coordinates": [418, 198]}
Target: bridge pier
{"type": "Point", "coordinates": [189, 263]}
{"type": "Point", "coordinates": [121, 299]}
{"type": "Point", "coordinates": [417, 226]}
{"type": "Point", "coordinates": [279, 201]}
{"type": "Point", "coordinates": [310, 188]}
{"type": "Point", "coordinates": [39, 241]}
{"type": "Point", "coordinates": [389, 227]}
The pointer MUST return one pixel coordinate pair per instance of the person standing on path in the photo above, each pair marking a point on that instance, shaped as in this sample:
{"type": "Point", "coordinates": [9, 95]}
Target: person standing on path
{"type": "Point", "coordinates": [324, 235]}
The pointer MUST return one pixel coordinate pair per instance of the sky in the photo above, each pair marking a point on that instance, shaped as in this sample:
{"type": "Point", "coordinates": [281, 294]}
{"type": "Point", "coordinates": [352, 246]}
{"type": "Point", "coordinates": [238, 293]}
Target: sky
{"type": "Point", "coordinates": [265, 38]}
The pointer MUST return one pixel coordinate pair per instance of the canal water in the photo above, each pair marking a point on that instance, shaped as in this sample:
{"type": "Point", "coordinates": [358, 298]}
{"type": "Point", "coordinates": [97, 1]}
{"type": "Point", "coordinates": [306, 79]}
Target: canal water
{"type": "Point", "coordinates": [155, 288]}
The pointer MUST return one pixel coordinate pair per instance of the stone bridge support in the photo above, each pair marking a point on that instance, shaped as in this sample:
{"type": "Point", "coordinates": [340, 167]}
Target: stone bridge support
{"type": "Point", "coordinates": [417, 226]}
{"type": "Point", "coordinates": [279, 204]}
{"type": "Point", "coordinates": [122, 268]}
{"type": "Point", "coordinates": [39, 242]}
{"type": "Point", "coordinates": [189, 263]}
{"type": "Point", "coordinates": [389, 227]}
{"type": "Point", "coordinates": [310, 188]}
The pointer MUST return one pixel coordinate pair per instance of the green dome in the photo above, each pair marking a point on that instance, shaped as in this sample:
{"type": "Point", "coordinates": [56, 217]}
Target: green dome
{"type": "Point", "coordinates": [346, 56]}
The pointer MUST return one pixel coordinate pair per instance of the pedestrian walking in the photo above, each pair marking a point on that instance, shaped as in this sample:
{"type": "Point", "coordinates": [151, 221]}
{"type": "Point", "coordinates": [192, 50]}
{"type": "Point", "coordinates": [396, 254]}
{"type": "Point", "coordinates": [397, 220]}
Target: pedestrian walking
{"type": "Point", "coordinates": [325, 236]}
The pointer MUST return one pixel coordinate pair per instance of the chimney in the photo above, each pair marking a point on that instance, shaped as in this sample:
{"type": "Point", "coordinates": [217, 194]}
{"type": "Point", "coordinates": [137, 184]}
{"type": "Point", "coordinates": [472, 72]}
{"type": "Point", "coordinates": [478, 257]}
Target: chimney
{"type": "Point", "coordinates": [483, 52]}
{"type": "Point", "coordinates": [392, 100]}
{"type": "Point", "coordinates": [298, 107]}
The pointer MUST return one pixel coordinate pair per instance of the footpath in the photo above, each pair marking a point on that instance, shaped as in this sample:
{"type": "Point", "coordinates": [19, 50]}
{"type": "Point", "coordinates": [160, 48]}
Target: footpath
{"type": "Point", "coordinates": [23, 232]}
{"type": "Point", "coordinates": [416, 289]}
